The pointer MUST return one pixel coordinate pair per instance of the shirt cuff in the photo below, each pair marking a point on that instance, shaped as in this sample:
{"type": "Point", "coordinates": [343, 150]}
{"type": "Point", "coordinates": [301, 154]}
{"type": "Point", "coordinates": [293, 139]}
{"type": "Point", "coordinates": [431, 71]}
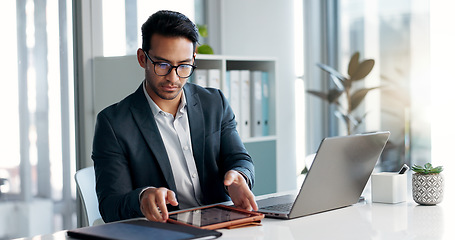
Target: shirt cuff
{"type": "Point", "coordinates": [142, 191]}
{"type": "Point", "coordinates": [246, 178]}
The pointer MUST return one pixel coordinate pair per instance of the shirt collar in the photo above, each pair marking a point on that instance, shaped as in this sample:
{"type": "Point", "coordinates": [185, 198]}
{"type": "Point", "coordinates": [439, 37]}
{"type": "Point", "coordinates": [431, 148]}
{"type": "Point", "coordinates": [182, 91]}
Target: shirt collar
{"type": "Point", "coordinates": [154, 107]}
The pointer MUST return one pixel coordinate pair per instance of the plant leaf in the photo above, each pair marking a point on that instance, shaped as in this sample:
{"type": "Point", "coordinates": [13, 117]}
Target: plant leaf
{"type": "Point", "coordinates": [202, 30]}
{"type": "Point", "coordinates": [338, 82]}
{"type": "Point", "coordinates": [437, 169]}
{"type": "Point", "coordinates": [417, 169]}
{"type": "Point", "coordinates": [347, 83]}
{"type": "Point", "coordinates": [358, 96]}
{"type": "Point", "coordinates": [333, 95]}
{"type": "Point", "coordinates": [363, 70]}
{"type": "Point", "coordinates": [343, 117]}
{"type": "Point", "coordinates": [353, 120]}
{"type": "Point", "coordinates": [359, 120]}
{"type": "Point", "coordinates": [353, 64]}
{"type": "Point", "coordinates": [427, 169]}
{"type": "Point", "coordinates": [428, 166]}
{"type": "Point", "coordinates": [346, 118]}
{"type": "Point", "coordinates": [331, 71]}
{"type": "Point", "coordinates": [321, 95]}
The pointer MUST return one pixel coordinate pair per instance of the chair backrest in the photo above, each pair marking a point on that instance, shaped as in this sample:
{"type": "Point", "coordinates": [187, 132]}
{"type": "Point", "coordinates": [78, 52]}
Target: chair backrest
{"type": "Point", "coordinates": [85, 181]}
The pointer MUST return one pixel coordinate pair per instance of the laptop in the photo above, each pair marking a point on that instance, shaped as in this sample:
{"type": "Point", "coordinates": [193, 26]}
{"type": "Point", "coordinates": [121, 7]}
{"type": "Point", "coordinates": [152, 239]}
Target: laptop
{"type": "Point", "coordinates": [336, 179]}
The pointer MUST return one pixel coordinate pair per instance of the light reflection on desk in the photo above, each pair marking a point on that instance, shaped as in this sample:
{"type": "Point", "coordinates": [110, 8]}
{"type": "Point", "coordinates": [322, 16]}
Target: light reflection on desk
{"type": "Point", "coordinates": [361, 221]}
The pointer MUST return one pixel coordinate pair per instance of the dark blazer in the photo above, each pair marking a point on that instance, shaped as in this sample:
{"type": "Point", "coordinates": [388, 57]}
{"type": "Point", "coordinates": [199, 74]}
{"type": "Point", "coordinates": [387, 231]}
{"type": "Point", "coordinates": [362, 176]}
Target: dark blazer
{"type": "Point", "coordinates": [129, 154]}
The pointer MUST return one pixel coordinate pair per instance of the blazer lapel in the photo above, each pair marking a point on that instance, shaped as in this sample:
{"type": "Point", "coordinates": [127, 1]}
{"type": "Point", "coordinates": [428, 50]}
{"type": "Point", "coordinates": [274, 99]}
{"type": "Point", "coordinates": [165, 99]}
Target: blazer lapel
{"type": "Point", "coordinates": [197, 129]}
{"type": "Point", "coordinates": [145, 121]}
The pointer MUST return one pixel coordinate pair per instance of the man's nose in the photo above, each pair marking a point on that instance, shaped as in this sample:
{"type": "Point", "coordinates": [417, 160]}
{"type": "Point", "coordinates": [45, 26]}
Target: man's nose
{"type": "Point", "coordinates": [172, 76]}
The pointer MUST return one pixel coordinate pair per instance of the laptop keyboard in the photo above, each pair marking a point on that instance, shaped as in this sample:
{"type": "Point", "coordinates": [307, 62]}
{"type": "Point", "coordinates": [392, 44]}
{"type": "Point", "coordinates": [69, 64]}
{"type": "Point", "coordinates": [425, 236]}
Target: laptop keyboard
{"type": "Point", "coordinates": [285, 207]}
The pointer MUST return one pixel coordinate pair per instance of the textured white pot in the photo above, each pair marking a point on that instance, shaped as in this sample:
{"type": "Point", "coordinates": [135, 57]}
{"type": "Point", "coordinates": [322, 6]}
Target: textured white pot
{"type": "Point", "coordinates": [427, 189]}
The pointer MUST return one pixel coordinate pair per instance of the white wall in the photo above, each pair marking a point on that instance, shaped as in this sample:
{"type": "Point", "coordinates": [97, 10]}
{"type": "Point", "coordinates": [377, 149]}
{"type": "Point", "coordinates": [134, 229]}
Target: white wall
{"type": "Point", "coordinates": [265, 28]}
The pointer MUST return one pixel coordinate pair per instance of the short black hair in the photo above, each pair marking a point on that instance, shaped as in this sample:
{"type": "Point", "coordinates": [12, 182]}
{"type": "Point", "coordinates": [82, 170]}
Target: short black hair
{"type": "Point", "coordinates": [169, 24]}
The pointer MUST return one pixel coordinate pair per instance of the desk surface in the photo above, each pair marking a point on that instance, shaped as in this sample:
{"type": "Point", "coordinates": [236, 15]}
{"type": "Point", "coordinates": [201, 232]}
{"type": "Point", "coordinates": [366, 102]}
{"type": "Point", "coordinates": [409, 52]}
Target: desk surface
{"type": "Point", "coordinates": [361, 221]}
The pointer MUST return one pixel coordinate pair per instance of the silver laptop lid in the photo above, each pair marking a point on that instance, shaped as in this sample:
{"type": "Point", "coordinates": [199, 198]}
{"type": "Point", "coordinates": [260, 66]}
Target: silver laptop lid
{"type": "Point", "coordinates": [339, 173]}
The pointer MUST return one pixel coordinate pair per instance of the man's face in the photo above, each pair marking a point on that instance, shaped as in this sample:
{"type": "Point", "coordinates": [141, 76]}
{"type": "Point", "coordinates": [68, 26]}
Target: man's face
{"type": "Point", "coordinates": [172, 50]}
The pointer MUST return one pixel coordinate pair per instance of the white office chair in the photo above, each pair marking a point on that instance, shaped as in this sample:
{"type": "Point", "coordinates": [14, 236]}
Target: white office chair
{"type": "Point", "coordinates": [85, 181]}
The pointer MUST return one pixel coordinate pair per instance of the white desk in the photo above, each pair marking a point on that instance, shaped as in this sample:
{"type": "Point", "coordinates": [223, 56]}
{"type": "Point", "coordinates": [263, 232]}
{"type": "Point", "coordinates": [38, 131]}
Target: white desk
{"type": "Point", "coordinates": [361, 221]}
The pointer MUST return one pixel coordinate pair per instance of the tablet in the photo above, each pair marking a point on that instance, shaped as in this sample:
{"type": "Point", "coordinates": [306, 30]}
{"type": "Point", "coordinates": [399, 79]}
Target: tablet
{"type": "Point", "coordinates": [215, 217]}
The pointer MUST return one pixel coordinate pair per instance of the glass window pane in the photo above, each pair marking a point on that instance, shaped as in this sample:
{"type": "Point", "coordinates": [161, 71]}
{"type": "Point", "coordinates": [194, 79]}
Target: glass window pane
{"type": "Point", "coordinates": [396, 35]}
{"type": "Point", "coordinates": [55, 120]}
{"type": "Point", "coordinates": [115, 39]}
{"type": "Point", "coordinates": [9, 123]}
{"type": "Point", "coordinates": [37, 142]}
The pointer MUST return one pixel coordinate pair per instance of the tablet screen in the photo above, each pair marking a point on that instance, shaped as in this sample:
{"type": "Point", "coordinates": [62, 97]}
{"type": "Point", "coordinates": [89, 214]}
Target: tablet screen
{"type": "Point", "coordinates": [208, 216]}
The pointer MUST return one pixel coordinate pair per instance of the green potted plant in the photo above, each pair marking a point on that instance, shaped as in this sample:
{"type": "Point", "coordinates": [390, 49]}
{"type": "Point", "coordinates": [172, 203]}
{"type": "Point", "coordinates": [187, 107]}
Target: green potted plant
{"type": "Point", "coordinates": [427, 184]}
{"type": "Point", "coordinates": [344, 86]}
{"type": "Point", "coordinates": [203, 48]}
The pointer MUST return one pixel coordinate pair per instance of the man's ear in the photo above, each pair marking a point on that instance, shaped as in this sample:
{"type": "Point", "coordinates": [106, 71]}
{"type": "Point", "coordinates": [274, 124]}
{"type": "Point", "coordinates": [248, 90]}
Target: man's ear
{"type": "Point", "coordinates": [141, 58]}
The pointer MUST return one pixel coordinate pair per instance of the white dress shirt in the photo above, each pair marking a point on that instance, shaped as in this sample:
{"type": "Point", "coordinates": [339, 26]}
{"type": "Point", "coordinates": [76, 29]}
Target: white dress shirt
{"type": "Point", "coordinates": [176, 136]}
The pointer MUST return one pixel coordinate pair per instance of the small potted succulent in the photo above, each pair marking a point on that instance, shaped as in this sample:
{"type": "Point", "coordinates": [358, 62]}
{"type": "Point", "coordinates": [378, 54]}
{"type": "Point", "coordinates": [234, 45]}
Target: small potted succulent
{"type": "Point", "coordinates": [427, 184]}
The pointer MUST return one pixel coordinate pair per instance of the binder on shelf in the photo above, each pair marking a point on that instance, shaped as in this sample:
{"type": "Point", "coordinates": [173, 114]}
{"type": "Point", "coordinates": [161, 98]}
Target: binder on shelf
{"type": "Point", "coordinates": [245, 113]}
{"type": "Point", "coordinates": [265, 103]}
{"type": "Point", "coordinates": [226, 86]}
{"type": "Point", "coordinates": [234, 96]}
{"type": "Point", "coordinates": [214, 78]}
{"type": "Point", "coordinates": [200, 77]}
{"type": "Point", "coordinates": [256, 103]}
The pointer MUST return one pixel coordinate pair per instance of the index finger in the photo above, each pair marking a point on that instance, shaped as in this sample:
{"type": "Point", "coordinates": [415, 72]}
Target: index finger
{"type": "Point", "coordinates": [253, 203]}
{"type": "Point", "coordinates": [169, 196]}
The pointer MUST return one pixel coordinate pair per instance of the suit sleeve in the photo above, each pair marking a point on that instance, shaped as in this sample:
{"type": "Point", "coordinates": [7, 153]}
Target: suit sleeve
{"type": "Point", "coordinates": [116, 198]}
{"type": "Point", "coordinates": [233, 153]}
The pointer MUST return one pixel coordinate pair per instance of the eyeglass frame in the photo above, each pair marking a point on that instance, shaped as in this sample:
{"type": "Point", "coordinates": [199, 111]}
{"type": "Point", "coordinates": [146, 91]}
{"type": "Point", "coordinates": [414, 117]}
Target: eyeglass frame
{"type": "Point", "coordinates": [171, 66]}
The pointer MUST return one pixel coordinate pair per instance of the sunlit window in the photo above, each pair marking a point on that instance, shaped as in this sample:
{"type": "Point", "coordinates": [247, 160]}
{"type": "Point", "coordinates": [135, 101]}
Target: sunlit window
{"type": "Point", "coordinates": [299, 87]}
{"type": "Point", "coordinates": [37, 99]}
{"type": "Point", "coordinates": [441, 90]}
{"type": "Point", "coordinates": [396, 35]}
{"type": "Point", "coordinates": [37, 126]}
{"type": "Point", "coordinates": [9, 142]}
{"type": "Point", "coordinates": [122, 21]}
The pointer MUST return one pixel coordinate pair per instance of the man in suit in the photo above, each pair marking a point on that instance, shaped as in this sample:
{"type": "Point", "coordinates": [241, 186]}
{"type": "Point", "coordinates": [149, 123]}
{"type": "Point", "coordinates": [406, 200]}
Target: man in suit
{"type": "Point", "coordinates": [171, 144]}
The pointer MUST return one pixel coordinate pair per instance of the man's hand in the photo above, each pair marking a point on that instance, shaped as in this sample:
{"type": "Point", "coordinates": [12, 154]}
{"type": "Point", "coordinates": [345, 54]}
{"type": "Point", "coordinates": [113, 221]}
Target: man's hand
{"type": "Point", "coordinates": [239, 191]}
{"type": "Point", "coordinates": [153, 203]}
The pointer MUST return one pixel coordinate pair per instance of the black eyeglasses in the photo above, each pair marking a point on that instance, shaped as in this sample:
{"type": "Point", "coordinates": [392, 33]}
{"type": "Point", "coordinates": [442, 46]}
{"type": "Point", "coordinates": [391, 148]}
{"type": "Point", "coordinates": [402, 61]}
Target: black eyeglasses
{"type": "Point", "coordinates": [164, 68]}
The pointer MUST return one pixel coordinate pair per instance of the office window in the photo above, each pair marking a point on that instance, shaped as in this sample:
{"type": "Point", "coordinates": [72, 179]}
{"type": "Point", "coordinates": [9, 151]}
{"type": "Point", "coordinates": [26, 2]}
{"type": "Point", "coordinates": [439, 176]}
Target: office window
{"type": "Point", "coordinates": [395, 33]}
{"type": "Point", "coordinates": [299, 88]}
{"type": "Point", "coordinates": [441, 90]}
{"type": "Point", "coordinates": [122, 21]}
{"type": "Point", "coordinates": [9, 146]}
{"type": "Point", "coordinates": [37, 126]}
